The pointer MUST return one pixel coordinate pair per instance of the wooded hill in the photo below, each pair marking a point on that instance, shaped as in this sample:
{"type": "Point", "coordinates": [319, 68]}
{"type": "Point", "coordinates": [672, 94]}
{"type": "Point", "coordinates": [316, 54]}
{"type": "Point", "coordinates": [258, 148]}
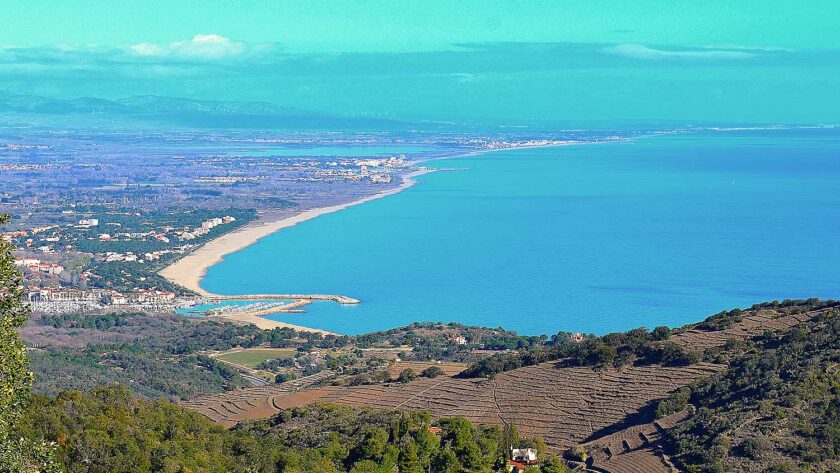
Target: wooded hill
{"type": "Point", "coordinates": [603, 416]}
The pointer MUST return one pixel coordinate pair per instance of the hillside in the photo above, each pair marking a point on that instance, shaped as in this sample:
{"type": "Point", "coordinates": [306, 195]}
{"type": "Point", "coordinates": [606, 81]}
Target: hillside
{"type": "Point", "coordinates": [110, 430]}
{"type": "Point", "coordinates": [609, 412]}
{"type": "Point", "coordinates": [179, 357]}
{"type": "Point", "coordinates": [761, 394]}
{"type": "Point", "coordinates": [776, 408]}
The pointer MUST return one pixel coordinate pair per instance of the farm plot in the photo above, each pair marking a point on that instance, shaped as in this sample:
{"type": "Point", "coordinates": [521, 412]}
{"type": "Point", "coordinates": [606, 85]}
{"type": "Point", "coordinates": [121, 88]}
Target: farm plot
{"type": "Point", "coordinates": [257, 402]}
{"type": "Point", "coordinates": [251, 357]}
{"type": "Point", "coordinates": [632, 449]}
{"type": "Point", "coordinates": [753, 324]}
{"type": "Point", "coordinates": [448, 368]}
{"type": "Point", "coordinates": [564, 405]}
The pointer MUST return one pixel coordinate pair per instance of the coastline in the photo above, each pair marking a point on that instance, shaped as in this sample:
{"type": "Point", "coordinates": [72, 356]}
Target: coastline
{"type": "Point", "coordinates": [190, 270]}
{"type": "Point", "coordinates": [267, 324]}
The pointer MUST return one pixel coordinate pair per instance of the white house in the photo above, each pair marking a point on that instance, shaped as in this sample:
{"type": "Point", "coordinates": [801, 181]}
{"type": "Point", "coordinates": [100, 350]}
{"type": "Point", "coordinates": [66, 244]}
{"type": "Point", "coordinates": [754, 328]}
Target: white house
{"type": "Point", "coordinates": [525, 455]}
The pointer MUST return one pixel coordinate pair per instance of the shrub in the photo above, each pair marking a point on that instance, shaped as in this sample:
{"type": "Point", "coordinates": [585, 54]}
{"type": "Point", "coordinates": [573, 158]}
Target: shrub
{"type": "Point", "coordinates": [407, 375]}
{"type": "Point", "coordinates": [431, 372]}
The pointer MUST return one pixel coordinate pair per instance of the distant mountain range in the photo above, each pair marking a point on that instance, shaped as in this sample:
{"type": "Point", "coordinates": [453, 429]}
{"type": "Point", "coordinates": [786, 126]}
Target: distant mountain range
{"type": "Point", "coordinates": [139, 104]}
{"type": "Point", "coordinates": [154, 109]}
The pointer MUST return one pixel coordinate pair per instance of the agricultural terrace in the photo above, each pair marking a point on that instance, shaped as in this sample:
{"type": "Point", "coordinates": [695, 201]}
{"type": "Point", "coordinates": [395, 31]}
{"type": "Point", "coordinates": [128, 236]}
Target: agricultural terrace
{"type": "Point", "coordinates": [251, 357]}
{"type": "Point", "coordinates": [565, 405]}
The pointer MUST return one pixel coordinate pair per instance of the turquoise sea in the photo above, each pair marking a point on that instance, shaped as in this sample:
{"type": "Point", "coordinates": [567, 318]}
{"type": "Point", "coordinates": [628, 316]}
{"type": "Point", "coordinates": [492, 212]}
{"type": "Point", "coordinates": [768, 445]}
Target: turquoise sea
{"type": "Point", "coordinates": [661, 230]}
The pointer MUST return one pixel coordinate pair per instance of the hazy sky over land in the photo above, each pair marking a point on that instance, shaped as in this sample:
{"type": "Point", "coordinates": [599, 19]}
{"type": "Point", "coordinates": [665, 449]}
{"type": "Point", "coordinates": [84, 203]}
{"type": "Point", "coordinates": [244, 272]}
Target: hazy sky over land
{"type": "Point", "coordinates": [767, 61]}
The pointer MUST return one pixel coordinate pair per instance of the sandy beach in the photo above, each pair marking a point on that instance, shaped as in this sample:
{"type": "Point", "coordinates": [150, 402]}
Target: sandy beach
{"type": "Point", "coordinates": [190, 270]}
{"type": "Point", "coordinates": [267, 324]}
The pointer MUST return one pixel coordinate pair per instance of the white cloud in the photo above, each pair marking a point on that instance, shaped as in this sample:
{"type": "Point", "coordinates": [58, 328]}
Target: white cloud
{"type": "Point", "coordinates": [147, 49]}
{"type": "Point", "coordinates": [640, 51]}
{"type": "Point", "coordinates": [201, 46]}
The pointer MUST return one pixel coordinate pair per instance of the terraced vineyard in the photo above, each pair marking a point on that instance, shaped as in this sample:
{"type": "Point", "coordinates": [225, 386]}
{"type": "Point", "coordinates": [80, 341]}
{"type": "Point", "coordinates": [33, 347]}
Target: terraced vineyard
{"type": "Point", "coordinates": [753, 324]}
{"type": "Point", "coordinates": [563, 405]}
{"type": "Point", "coordinates": [257, 402]}
{"type": "Point", "coordinates": [448, 368]}
{"type": "Point", "coordinates": [602, 410]}
{"type": "Point", "coordinates": [632, 450]}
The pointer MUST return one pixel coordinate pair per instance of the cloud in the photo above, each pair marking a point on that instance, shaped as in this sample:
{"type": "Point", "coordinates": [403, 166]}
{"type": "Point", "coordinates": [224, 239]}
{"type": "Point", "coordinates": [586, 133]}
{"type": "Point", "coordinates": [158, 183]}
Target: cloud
{"type": "Point", "coordinates": [640, 51]}
{"type": "Point", "coordinates": [214, 51]}
{"type": "Point", "coordinates": [773, 49]}
{"type": "Point", "coordinates": [524, 80]}
{"type": "Point", "coordinates": [209, 55]}
{"type": "Point", "coordinates": [201, 46]}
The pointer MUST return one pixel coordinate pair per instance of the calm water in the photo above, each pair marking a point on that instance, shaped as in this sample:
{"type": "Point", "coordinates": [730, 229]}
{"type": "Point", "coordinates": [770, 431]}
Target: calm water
{"type": "Point", "coordinates": [591, 238]}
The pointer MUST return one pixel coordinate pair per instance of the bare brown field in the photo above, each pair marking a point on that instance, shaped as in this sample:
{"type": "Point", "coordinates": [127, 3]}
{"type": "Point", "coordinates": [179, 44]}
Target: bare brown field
{"type": "Point", "coordinates": [632, 449]}
{"type": "Point", "coordinates": [449, 368]}
{"type": "Point", "coordinates": [565, 405]}
{"type": "Point", "coordinates": [257, 402]}
{"type": "Point", "coordinates": [752, 324]}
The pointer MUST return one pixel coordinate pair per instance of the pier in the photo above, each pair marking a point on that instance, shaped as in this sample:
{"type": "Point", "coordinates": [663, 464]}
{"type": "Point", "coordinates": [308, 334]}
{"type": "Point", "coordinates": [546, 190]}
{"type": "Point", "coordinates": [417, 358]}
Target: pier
{"type": "Point", "coordinates": [256, 313]}
{"type": "Point", "coordinates": [269, 297]}
{"type": "Point", "coordinates": [260, 309]}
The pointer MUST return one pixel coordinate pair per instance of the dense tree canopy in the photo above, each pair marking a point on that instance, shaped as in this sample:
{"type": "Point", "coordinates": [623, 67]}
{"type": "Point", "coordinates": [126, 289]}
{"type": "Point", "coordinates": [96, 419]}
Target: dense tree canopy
{"type": "Point", "coordinates": [776, 408]}
{"type": "Point", "coordinates": [111, 430]}
{"type": "Point", "coordinates": [16, 453]}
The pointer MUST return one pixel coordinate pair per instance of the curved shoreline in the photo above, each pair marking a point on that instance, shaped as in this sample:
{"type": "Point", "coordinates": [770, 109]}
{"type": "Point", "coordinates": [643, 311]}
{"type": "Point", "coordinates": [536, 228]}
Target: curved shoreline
{"type": "Point", "coordinates": [259, 320]}
{"type": "Point", "coordinates": [190, 270]}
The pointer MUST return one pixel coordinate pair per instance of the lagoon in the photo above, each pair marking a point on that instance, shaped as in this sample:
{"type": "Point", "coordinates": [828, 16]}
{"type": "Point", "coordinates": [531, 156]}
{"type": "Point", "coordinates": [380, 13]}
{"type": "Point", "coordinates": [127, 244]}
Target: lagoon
{"type": "Point", "coordinates": [661, 230]}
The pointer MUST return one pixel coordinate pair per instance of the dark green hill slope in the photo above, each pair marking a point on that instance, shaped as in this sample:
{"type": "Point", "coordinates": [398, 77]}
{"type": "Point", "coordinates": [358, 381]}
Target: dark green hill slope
{"type": "Point", "coordinates": [776, 408]}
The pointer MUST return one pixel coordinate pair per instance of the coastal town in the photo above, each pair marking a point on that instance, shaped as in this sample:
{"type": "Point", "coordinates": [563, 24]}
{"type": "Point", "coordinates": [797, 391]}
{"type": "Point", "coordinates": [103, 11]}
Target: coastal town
{"type": "Point", "coordinates": [62, 279]}
{"type": "Point", "coordinates": [96, 229]}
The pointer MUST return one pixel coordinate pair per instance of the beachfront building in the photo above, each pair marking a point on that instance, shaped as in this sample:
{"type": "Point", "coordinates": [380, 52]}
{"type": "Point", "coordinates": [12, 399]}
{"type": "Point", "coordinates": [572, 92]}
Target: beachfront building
{"type": "Point", "coordinates": [150, 297]}
{"type": "Point", "coordinates": [117, 299]}
{"type": "Point", "coordinates": [67, 295]}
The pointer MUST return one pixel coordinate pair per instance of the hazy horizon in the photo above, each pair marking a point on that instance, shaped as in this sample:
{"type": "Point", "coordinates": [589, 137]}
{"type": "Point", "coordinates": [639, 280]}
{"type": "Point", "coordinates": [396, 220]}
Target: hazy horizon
{"type": "Point", "coordinates": [501, 63]}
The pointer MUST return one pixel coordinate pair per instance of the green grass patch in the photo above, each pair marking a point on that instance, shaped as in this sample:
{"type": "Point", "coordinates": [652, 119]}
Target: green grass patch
{"type": "Point", "coordinates": [251, 357]}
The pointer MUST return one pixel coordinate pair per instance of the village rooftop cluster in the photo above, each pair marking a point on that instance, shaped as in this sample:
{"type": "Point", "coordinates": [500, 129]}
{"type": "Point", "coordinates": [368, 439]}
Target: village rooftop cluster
{"type": "Point", "coordinates": [70, 267]}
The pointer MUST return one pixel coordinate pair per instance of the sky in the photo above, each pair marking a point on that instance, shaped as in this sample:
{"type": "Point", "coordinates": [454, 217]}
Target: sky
{"type": "Point", "coordinates": [505, 61]}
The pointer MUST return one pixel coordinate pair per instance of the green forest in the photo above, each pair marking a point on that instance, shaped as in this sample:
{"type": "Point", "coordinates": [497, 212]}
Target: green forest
{"type": "Point", "coordinates": [775, 409]}
{"type": "Point", "coordinates": [110, 430]}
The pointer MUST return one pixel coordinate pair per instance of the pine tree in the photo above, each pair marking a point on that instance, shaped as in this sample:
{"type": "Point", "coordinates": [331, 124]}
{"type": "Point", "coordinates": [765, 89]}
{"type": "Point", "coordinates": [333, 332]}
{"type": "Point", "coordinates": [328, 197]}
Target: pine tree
{"type": "Point", "coordinates": [16, 453]}
{"type": "Point", "coordinates": [409, 462]}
